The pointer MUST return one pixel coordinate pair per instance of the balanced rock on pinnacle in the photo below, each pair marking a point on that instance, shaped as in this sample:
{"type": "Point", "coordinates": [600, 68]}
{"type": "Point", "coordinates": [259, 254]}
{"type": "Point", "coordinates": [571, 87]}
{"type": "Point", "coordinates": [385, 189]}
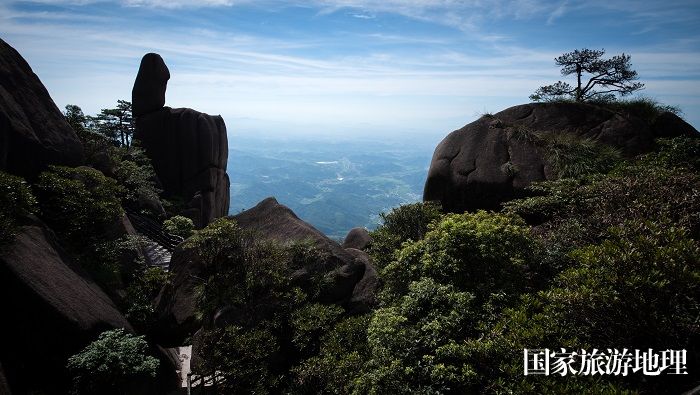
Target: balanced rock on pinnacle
{"type": "Point", "coordinates": [188, 148]}
{"type": "Point", "coordinates": [148, 94]}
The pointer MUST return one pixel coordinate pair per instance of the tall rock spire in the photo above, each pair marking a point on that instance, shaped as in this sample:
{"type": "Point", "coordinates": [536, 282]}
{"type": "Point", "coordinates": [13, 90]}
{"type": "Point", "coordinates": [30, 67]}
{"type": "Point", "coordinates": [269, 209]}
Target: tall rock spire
{"type": "Point", "coordinates": [188, 149]}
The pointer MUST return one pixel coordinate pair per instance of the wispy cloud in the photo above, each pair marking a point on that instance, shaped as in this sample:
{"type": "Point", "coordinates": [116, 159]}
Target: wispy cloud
{"type": "Point", "coordinates": [179, 3]}
{"type": "Point", "coordinates": [558, 12]}
{"type": "Point", "coordinates": [147, 3]}
{"type": "Point", "coordinates": [449, 60]}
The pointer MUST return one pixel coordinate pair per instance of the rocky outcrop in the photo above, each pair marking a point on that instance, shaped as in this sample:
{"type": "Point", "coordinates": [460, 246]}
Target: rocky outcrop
{"type": "Point", "coordinates": [343, 270]}
{"type": "Point", "coordinates": [275, 222]}
{"type": "Point", "coordinates": [61, 310]}
{"type": "Point", "coordinates": [493, 159]}
{"type": "Point", "coordinates": [4, 386]}
{"type": "Point", "coordinates": [348, 276]}
{"type": "Point", "coordinates": [364, 293]}
{"type": "Point", "coordinates": [357, 238]}
{"type": "Point", "coordinates": [188, 149]}
{"type": "Point", "coordinates": [33, 132]}
{"type": "Point", "coordinates": [148, 94]}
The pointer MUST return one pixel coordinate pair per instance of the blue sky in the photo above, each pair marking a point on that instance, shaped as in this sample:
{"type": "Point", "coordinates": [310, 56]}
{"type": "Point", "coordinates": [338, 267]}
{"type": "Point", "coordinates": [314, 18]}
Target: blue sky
{"type": "Point", "coordinates": [348, 67]}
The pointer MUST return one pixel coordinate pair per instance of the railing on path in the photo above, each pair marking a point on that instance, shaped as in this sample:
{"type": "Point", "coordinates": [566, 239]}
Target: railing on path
{"type": "Point", "coordinates": [203, 384]}
{"type": "Point", "coordinates": [153, 230]}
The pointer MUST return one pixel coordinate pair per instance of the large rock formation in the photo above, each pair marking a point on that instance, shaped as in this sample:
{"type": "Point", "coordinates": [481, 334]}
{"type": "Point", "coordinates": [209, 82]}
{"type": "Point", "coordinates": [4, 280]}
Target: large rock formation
{"type": "Point", "coordinates": [148, 94]}
{"type": "Point", "coordinates": [189, 149]}
{"type": "Point", "coordinates": [4, 386]}
{"type": "Point", "coordinates": [52, 310]}
{"type": "Point", "coordinates": [357, 238]}
{"type": "Point", "coordinates": [492, 159]}
{"type": "Point", "coordinates": [33, 132]}
{"type": "Point", "coordinates": [348, 276]}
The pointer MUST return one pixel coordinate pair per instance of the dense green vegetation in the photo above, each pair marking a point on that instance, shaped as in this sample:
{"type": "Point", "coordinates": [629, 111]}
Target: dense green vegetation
{"type": "Point", "coordinates": [179, 225]}
{"type": "Point", "coordinates": [605, 258]}
{"type": "Point", "coordinates": [266, 322]}
{"type": "Point", "coordinates": [109, 147]}
{"type": "Point", "coordinates": [112, 364]}
{"type": "Point", "coordinates": [16, 201]}
{"type": "Point", "coordinates": [80, 204]}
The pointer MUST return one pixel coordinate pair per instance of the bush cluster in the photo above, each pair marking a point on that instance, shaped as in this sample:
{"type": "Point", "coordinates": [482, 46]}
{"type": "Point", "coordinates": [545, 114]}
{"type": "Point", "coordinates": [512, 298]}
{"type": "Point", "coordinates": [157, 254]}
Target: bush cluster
{"type": "Point", "coordinates": [271, 324]}
{"type": "Point", "coordinates": [16, 201]}
{"type": "Point", "coordinates": [179, 226]}
{"type": "Point", "coordinates": [612, 261]}
{"type": "Point", "coordinates": [112, 364]}
{"type": "Point", "coordinates": [80, 204]}
{"type": "Point", "coordinates": [407, 222]}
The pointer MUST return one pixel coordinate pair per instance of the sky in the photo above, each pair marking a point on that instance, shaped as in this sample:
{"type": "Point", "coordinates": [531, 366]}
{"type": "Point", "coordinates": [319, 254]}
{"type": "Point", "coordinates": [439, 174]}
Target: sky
{"type": "Point", "coordinates": [348, 68]}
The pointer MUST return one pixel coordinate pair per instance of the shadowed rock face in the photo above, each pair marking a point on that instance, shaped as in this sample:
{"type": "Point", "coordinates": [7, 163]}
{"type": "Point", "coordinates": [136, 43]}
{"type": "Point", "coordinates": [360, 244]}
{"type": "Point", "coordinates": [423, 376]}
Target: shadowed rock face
{"type": "Point", "coordinates": [349, 278]}
{"type": "Point", "coordinates": [189, 152]}
{"type": "Point", "coordinates": [148, 94]}
{"type": "Point", "coordinates": [53, 310]}
{"type": "Point", "coordinates": [4, 386]}
{"type": "Point", "coordinates": [357, 238]}
{"type": "Point", "coordinates": [33, 132]}
{"type": "Point", "coordinates": [469, 169]}
{"type": "Point", "coordinates": [188, 149]}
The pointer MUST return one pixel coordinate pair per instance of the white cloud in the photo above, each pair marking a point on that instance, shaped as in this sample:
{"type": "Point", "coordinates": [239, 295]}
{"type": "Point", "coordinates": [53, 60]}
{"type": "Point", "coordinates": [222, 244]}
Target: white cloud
{"type": "Point", "coordinates": [180, 3]}
{"type": "Point", "coordinates": [442, 79]}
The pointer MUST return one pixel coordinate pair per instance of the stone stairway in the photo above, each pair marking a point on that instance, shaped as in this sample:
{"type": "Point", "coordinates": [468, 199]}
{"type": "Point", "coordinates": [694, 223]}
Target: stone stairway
{"type": "Point", "coordinates": [162, 244]}
{"type": "Point", "coordinates": [157, 255]}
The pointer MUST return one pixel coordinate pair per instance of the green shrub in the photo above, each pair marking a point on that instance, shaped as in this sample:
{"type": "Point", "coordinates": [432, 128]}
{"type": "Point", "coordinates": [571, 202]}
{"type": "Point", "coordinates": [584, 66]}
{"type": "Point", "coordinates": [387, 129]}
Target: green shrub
{"type": "Point", "coordinates": [552, 199]}
{"type": "Point", "coordinates": [244, 359]}
{"type": "Point", "coordinates": [275, 325]}
{"type": "Point", "coordinates": [342, 358]}
{"type": "Point", "coordinates": [440, 291]}
{"type": "Point", "coordinates": [140, 294]}
{"type": "Point", "coordinates": [311, 321]}
{"type": "Point", "coordinates": [481, 253]}
{"type": "Point", "coordinates": [136, 176]}
{"type": "Point", "coordinates": [179, 226]}
{"type": "Point", "coordinates": [403, 223]}
{"type": "Point", "coordinates": [80, 204]}
{"type": "Point", "coordinates": [111, 363]}
{"type": "Point", "coordinates": [16, 201]}
{"type": "Point", "coordinates": [638, 289]}
{"type": "Point", "coordinates": [638, 190]}
{"type": "Point", "coordinates": [241, 270]}
{"type": "Point", "coordinates": [676, 152]}
{"type": "Point", "coordinates": [416, 345]}
{"type": "Point", "coordinates": [643, 107]}
{"type": "Point", "coordinates": [572, 156]}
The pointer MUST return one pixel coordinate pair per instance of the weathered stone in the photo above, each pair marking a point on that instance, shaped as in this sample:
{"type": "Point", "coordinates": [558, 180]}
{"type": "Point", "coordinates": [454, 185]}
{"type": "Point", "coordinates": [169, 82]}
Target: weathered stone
{"type": "Point", "coordinates": [33, 132]}
{"type": "Point", "coordinates": [276, 222]}
{"type": "Point", "coordinates": [341, 271]}
{"type": "Point", "coordinates": [4, 386]}
{"type": "Point", "coordinates": [62, 309]}
{"type": "Point", "coordinates": [188, 149]}
{"type": "Point", "coordinates": [364, 294]}
{"type": "Point", "coordinates": [148, 94]}
{"type": "Point", "coordinates": [486, 163]}
{"type": "Point", "coordinates": [358, 238]}
{"type": "Point", "coordinates": [669, 124]}
{"type": "Point", "coordinates": [176, 305]}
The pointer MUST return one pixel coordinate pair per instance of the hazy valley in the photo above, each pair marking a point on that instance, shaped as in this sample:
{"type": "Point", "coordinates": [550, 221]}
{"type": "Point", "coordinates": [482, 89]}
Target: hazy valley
{"type": "Point", "coordinates": [334, 186]}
